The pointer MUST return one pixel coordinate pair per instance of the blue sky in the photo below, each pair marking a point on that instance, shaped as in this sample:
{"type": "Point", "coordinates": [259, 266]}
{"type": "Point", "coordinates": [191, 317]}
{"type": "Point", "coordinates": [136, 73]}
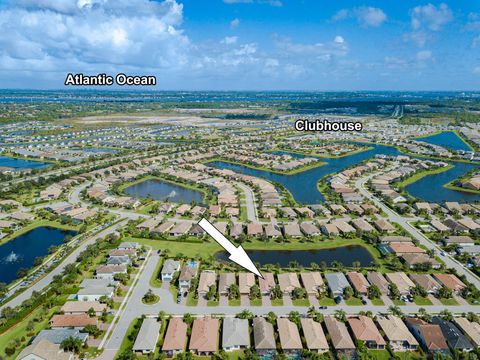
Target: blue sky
{"type": "Point", "coordinates": [245, 44]}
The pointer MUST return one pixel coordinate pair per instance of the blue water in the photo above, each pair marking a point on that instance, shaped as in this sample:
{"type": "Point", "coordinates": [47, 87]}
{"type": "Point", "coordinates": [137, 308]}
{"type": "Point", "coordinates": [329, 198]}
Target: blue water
{"type": "Point", "coordinates": [303, 186]}
{"type": "Point", "coordinates": [22, 251]}
{"type": "Point", "coordinates": [162, 190]}
{"type": "Point", "coordinates": [20, 163]}
{"type": "Point", "coordinates": [446, 139]}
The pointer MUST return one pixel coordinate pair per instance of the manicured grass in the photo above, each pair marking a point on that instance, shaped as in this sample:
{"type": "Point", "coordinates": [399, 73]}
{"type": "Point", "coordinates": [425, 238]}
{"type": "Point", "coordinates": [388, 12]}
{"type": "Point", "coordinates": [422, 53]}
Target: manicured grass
{"type": "Point", "coordinates": [326, 301]}
{"type": "Point", "coordinates": [377, 302]}
{"type": "Point", "coordinates": [155, 279]}
{"type": "Point", "coordinates": [448, 302]}
{"type": "Point", "coordinates": [191, 301]}
{"type": "Point", "coordinates": [256, 302]}
{"type": "Point", "coordinates": [301, 302]}
{"type": "Point", "coordinates": [234, 302]}
{"type": "Point", "coordinates": [398, 302]}
{"type": "Point", "coordinates": [212, 303]}
{"type": "Point", "coordinates": [380, 354]}
{"type": "Point", "coordinates": [422, 301]}
{"type": "Point", "coordinates": [421, 174]}
{"type": "Point", "coordinates": [174, 291]}
{"type": "Point", "coordinates": [154, 300]}
{"type": "Point", "coordinates": [409, 355]}
{"type": "Point", "coordinates": [353, 301]}
{"type": "Point", "coordinates": [277, 302]}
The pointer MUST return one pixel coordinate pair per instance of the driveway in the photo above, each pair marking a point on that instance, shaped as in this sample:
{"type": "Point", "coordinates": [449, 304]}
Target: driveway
{"type": "Point", "coordinates": [223, 300]}
{"type": "Point", "coordinates": [386, 300]}
{"type": "Point", "coordinates": [244, 300]}
{"type": "Point", "coordinates": [266, 301]}
{"type": "Point", "coordinates": [434, 300]}
{"type": "Point", "coordinates": [287, 300]}
{"type": "Point", "coordinates": [313, 300]}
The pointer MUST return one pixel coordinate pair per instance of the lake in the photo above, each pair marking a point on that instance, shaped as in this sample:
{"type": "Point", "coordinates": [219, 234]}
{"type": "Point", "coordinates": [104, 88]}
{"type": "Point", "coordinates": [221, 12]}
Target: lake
{"type": "Point", "coordinates": [22, 251]}
{"type": "Point", "coordinates": [345, 255]}
{"type": "Point", "coordinates": [164, 191]}
{"type": "Point", "coordinates": [446, 139]}
{"type": "Point", "coordinates": [21, 163]}
{"type": "Point", "coordinates": [303, 185]}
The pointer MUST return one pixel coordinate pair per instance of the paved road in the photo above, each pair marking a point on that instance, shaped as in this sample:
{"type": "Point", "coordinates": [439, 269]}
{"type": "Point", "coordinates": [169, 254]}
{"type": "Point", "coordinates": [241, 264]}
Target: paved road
{"type": "Point", "coordinates": [47, 279]}
{"type": "Point", "coordinates": [404, 223]}
{"type": "Point", "coordinates": [249, 202]}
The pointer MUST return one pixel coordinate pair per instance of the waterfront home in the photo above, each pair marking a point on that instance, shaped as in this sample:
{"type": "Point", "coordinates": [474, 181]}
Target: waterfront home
{"type": "Point", "coordinates": [57, 336]}
{"type": "Point", "coordinates": [314, 336]}
{"type": "Point", "coordinates": [453, 207]}
{"type": "Point", "coordinates": [364, 329]}
{"type": "Point", "coordinates": [183, 209]}
{"type": "Point", "coordinates": [376, 278]}
{"type": "Point", "coordinates": [430, 336]}
{"type": "Point", "coordinates": [459, 240]}
{"type": "Point", "coordinates": [400, 248]}
{"type": "Point", "coordinates": [383, 225]}
{"type": "Point", "coordinates": [198, 211]}
{"type": "Point", "coordinates": [292, 230]}
{"type": "Point", "coordinates": [175, 337]}
{"type": "Point", "coordinates": [288, 212]}
{"type": "Point", "coordinates": [44, 350]}
{"type": "Point", "coordinates": [362, 225]}
{"type": "Point", "coordinates": [470, 328]}
{"type": "Point", "coordinates": [309, 229]}
{"type": "Point", "coordinates": [254, 229]}
{"type": "Point", "coordinates": [312, 282]}
{"type": "Point", "coordinates": [207, 279]}
{"type": "Point", "coordinates": [267, 283]}
{"type": "Point", "coordinates": [330, 229]}
{"type": "Point", "coordinates": [426, 281]}
{"type": "Point", "coordinates": [204, 337]}
{"type": "Point", "coordinates": [263, 337]}
{"type": "Point", "coordinates": [404, 284]}
{"type": "Point", "coordinates": [180, 229]}
{"type": "Point", "coordinates": [109, 271]}
{"type": "Point", "coordinates": [338, 209]}
{"type": "Point", "coordinates": [170, 267]}
{"type": "Point", "coordinates": [359, 282]}
{"type": "Point", "coordinates": [235, 334]}
{"type": "Point", "coordinates": [454, 337]}
{"type": "Point", "coordinates": [305, 212]}
{"type": "Point", "coordinates": [397, 333]}
{"type": "Point", "coordinates": [94, 293]}
{"type": "Point", "coordinates": [288, 282]}
{"type": "Point", "coordinates": [214, 210]}
{"type": "Point", "coordinates": [72, 321]}
{"type": "Point", "coordinates": [341, 340]}
{"type": "Point", "coordinates": [236, 230]}
{"type": "Point", "coordinates": [272, 231]}
{"type": "Point", "coordinates": [147, 337]}
{"type": "Point", "coordinates": [225, 280]}
{"type": "Point", "coordinates": [451, 281]}
{"type": "Point", "coordinates": [337, 282]}
{"type": "Point", "coordinates": [187, 273]}
{"type": "Point", "coordinates": [245, 281]}
{"type": "Point", "coordinates": [290, 341]}
{"type": "Point", "coordinates": [83, 307]}
{"type": "Point", "coordinates": [343, 227]}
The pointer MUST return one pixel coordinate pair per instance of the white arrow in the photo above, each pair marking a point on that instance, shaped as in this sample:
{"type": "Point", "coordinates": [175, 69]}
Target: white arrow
{"type": "Point", "coordinates": [237, 254]}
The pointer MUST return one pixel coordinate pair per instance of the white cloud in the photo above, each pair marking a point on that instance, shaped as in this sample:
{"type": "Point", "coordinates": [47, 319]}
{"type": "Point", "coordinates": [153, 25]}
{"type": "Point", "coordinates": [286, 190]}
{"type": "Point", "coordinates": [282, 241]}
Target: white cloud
{"type": "Point", "coordinates": [269, 2]}
{"type": "Point", "coordinates": [424, 55]}
{"type": "Point", "coordinates": [430, 16]}
{"type": "Point", "coordinates": [323, 51]}
{"type": "Point", "coordinates": [339, 39]}
{"type": "Point", "coordinates": [476, 70]}
{"type": "Point", "coordinates": [72, 35]}
{"type": "Point", "coordinates": [366, 16]}
{"type": "Point", "coordinates": [229, 40]}
{"type": "Point", "coordinates": [234, 23]}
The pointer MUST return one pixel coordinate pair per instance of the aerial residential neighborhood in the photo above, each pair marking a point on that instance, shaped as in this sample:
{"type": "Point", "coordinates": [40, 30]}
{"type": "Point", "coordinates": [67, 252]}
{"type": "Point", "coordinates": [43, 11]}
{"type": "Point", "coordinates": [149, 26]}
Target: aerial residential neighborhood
{"type": "Point", "coordinates": [239, 179]}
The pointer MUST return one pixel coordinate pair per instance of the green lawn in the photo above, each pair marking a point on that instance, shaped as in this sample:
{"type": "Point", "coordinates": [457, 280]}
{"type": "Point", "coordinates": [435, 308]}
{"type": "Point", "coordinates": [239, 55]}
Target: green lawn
{"type": "Point", "coordinates": [277, 302]}
{"type": "Point", "coordinates": [301, 302]}
{"type": "Point", "coordinates": [326, 301]}
{"type": "Point", "coordinates": [234, 302]}
{"type": "Point", "coordinates": [212, 303]}
{"type": "Point", "coordinates": [377, 302]}
{"type": "Point", "coordinates": [379, 354]}
{"type": "Point", "coordinates": [398, 302]}
{"type": "Point", "coordinates": [448, 302]}
{"type": "Point", "coordinates": [191, 301]}
{"type": "Point", "coordinates": [256, 302]}
{"type": "Point", "coordinates": [155, 279]}
{"type": "Point", "coordinates": [353, 301]}
{"type": "Point", "coordinates": [422, 301]}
